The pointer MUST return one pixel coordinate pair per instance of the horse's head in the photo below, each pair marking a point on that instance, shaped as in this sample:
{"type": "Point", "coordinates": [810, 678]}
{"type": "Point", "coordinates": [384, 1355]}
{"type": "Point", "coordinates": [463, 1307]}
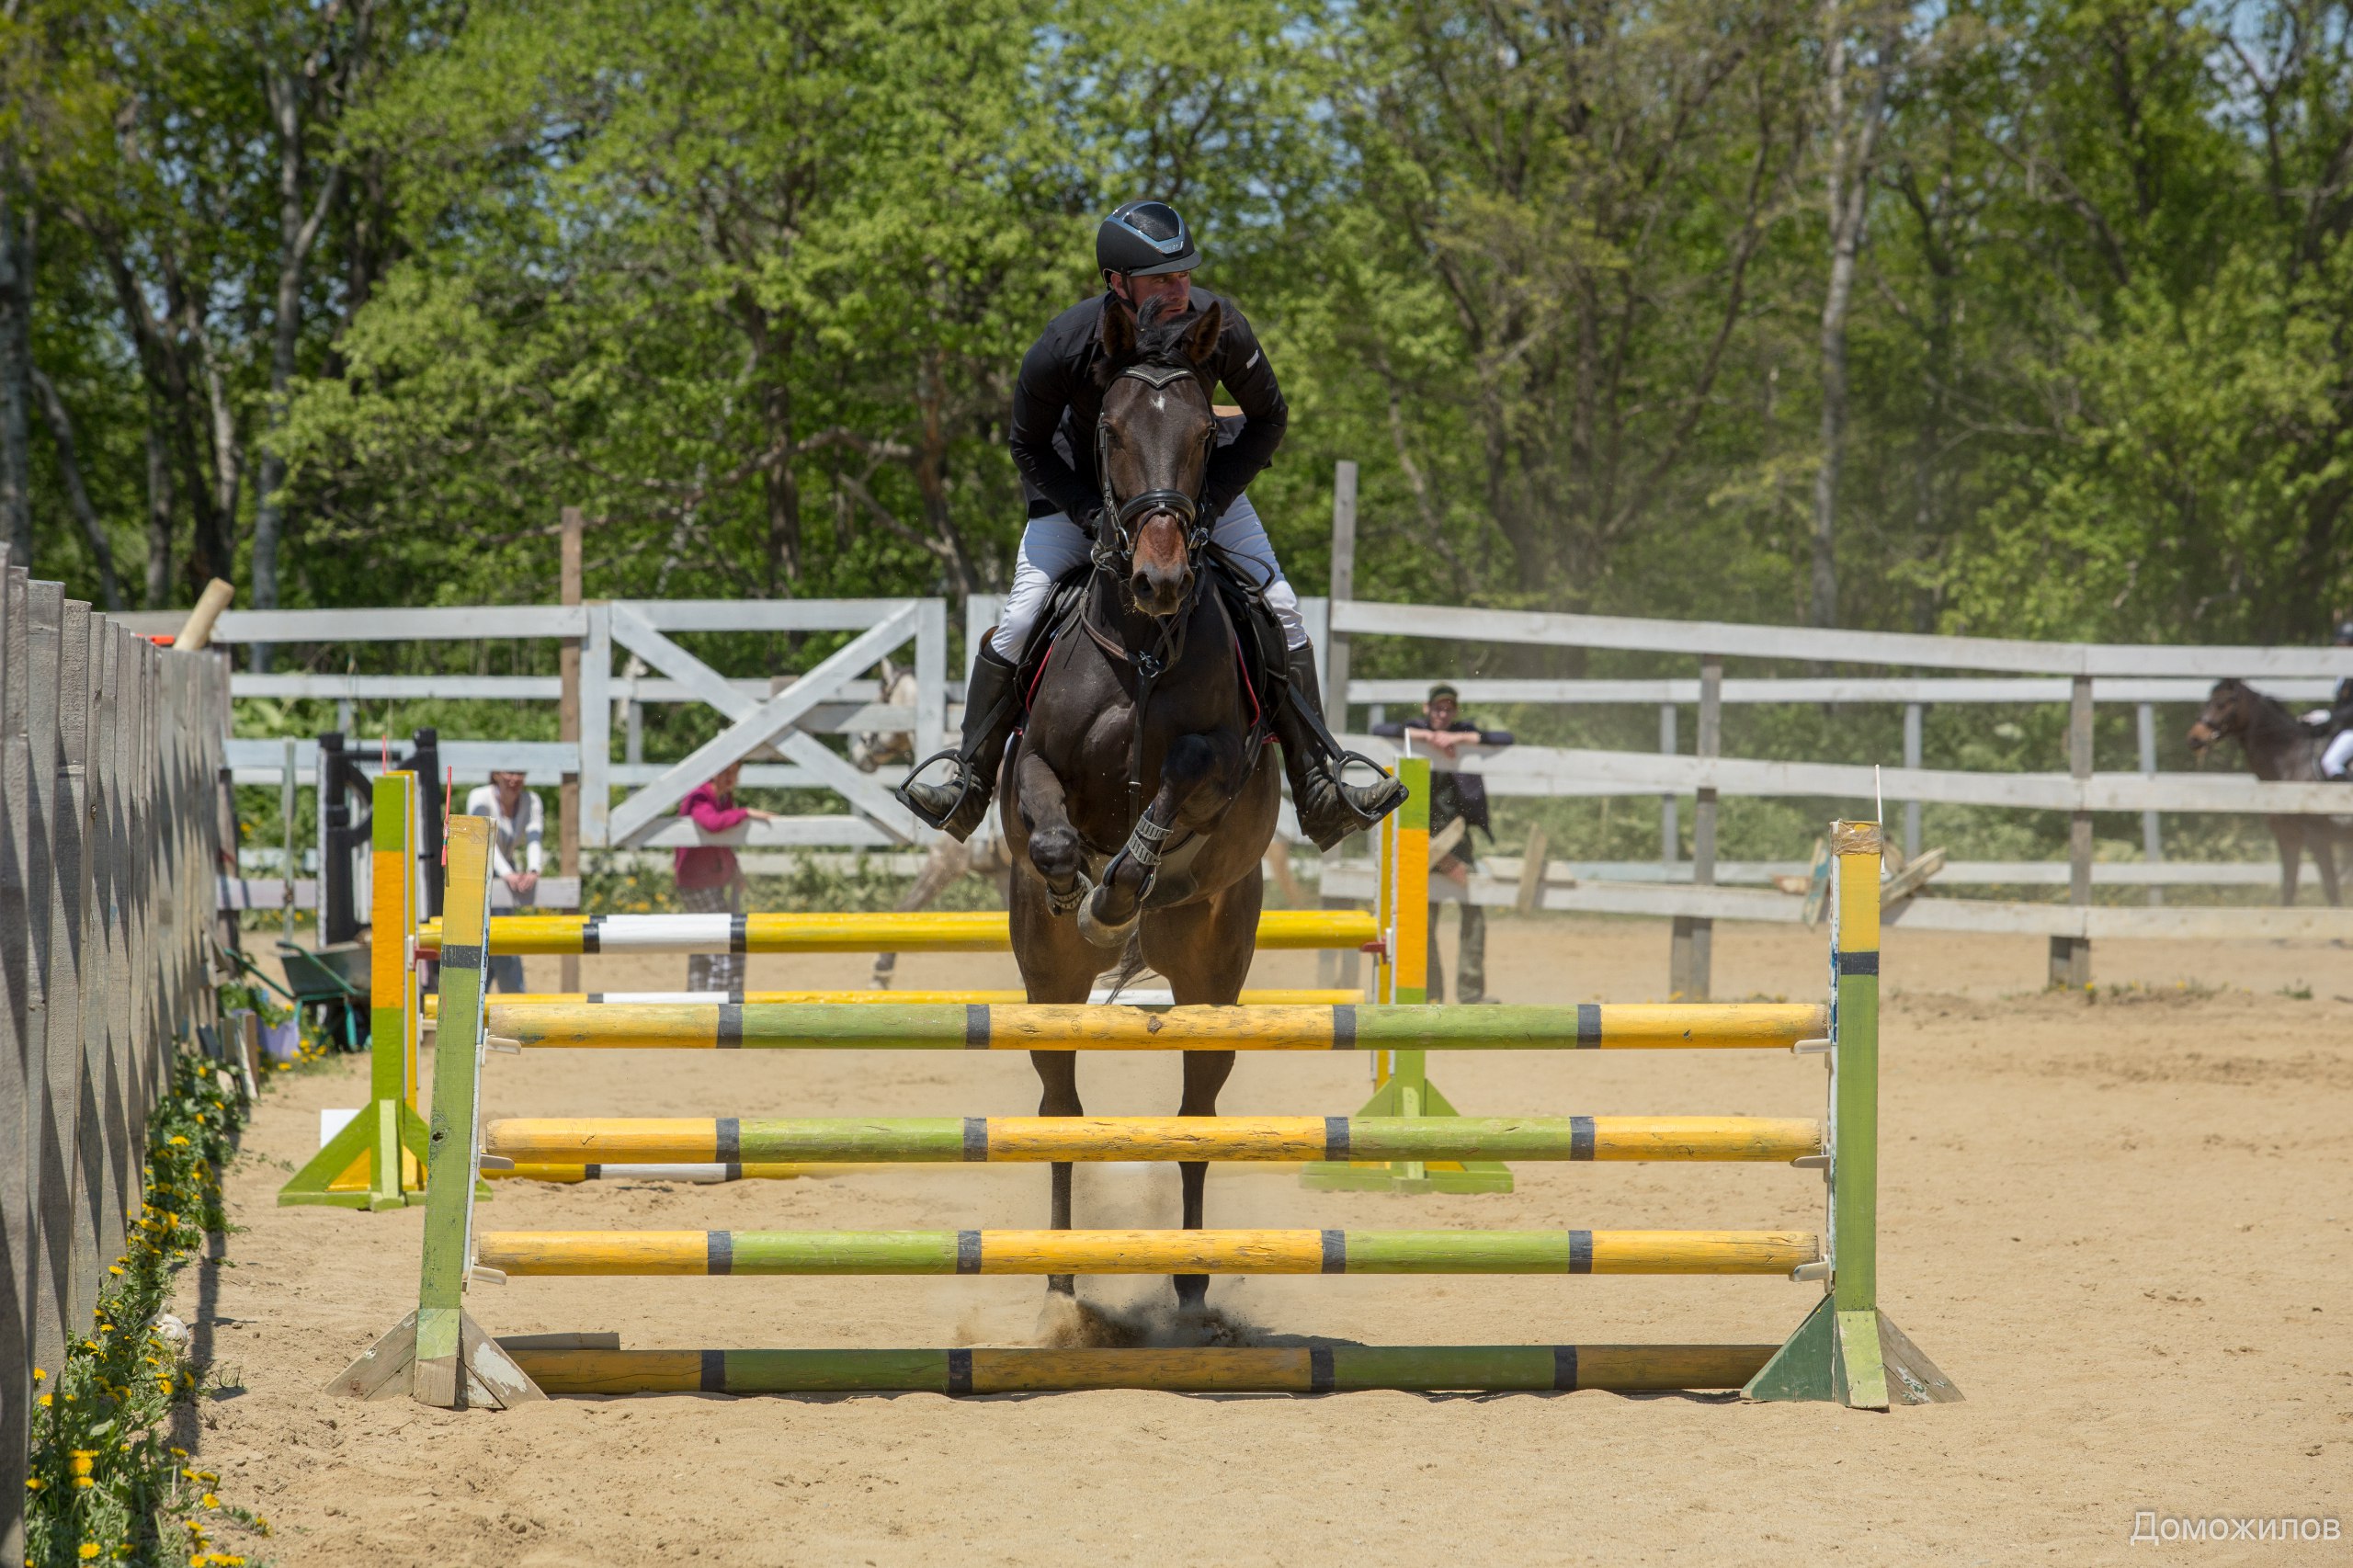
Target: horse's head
{"type": "Point", "coordinates": [1152, 448]}
{"type": "Point", "coordinates": [2229, 712]}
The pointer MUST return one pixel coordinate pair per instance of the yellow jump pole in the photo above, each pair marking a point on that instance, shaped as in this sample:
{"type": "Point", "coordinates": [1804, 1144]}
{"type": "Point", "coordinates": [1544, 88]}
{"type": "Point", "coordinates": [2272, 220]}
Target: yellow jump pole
{"type": "Point", "coordinates": [1280, 998]}
{"type": "Point", "coordinates": [928, 931]}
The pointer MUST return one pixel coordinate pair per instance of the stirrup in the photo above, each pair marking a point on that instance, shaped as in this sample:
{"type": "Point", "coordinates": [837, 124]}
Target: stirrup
{"type": "Point", "coordinates": [1390, 788]}
{"type": "Point", "coordinates": [966, 775]}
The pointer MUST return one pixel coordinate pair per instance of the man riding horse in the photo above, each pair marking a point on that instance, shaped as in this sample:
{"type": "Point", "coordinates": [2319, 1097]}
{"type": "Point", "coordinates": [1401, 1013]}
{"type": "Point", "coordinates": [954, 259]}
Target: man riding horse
{"type": "Point", "coordinates": [1147, 255]}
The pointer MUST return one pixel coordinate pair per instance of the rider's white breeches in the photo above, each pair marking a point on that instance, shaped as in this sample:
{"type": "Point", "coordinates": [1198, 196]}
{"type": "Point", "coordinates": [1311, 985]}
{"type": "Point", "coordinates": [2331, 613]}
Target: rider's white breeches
{"type": "Point", "coordinates": [1053, 545]}
{"type": "Point", "coordinates": [2338, 757]}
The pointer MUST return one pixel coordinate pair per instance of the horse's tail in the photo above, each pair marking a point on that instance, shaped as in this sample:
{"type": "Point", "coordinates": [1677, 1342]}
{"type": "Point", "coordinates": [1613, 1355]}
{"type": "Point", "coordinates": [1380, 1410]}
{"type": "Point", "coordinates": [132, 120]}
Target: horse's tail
{"type": "Point", "coordinates": [1130, 965]}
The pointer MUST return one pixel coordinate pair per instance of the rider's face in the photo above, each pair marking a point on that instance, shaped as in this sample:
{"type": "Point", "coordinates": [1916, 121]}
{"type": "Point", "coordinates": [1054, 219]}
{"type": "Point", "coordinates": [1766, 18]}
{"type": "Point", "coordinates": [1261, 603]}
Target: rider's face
{"type": "Point", "coordinates": [1174, 288]}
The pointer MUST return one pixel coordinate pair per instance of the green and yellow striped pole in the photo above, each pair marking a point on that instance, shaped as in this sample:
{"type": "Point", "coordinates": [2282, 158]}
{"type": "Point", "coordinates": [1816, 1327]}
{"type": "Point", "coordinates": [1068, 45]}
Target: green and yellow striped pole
{"type": "Point", "coordinates": [1847, 1350]}
{"type": "Point", "coordinates": [374, 1162]}
{"type": "Point", "coordinates": [718, 1253]}
{"type": "Point", "coordinates": [1406, 1031]}
{"type": "Point", "coordinates": [799, 1143]}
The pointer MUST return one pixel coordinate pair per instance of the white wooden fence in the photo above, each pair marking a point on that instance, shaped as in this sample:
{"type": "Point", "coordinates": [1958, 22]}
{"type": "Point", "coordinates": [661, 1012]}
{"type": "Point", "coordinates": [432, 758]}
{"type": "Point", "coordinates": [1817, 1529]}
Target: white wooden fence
{"type": "Point", "coordinates": [779, 725]}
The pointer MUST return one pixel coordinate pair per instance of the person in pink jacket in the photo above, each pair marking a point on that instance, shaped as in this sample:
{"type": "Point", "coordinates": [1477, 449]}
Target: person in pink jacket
{"type": "Point", "coordinates": [710, 881]}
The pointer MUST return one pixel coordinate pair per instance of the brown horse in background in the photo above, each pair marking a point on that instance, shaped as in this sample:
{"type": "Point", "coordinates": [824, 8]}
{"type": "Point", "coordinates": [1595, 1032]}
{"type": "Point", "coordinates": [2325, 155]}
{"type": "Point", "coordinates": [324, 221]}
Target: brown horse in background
{"type": "Point", "coordinates": [1141, 797]}
{"type": "Point", "coordinates": [2280, 749]}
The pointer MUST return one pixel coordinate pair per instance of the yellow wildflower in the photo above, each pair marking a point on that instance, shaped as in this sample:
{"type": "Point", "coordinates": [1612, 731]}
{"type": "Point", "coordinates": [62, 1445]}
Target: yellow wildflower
{"type": "Point", "coordinates": [89, 1549]}
{"type": "Point", "coordinates": [209, 1501]}
{"type": "Point", "coordinates": [177, 1140]}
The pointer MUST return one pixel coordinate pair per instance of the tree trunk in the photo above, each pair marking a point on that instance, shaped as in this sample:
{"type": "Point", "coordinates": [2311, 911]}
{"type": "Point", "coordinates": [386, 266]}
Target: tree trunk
{"type": "Point", "coordinates": [1847, 190]}
{"type": "Point", "coordinates": [77, 495]}
{"type": "Point", "coordinates": [17, 237]}
{"type": "Point", "coordinates": [931, 474]}
{"type": "Point", "coordinates": [160, 505]}
{"type": "Point", "coordinates": [297, 232]}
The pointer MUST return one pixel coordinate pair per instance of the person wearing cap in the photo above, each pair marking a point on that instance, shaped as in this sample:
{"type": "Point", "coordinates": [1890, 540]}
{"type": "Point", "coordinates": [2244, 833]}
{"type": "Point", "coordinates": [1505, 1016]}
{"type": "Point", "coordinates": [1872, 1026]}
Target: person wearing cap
{"type": "Point", "coordinates": [2335, 720]}
{"type": "Point", "coordinates": [1454, 796]}
{"type": "Point", "coordinates": [1145, 254]}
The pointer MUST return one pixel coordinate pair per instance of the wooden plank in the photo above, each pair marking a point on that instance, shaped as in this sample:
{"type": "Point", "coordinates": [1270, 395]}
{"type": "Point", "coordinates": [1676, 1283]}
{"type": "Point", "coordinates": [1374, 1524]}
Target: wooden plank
{"type": "Point", "coordinates": [1456, 623]}
{"type": "Point", "coordinates": [55, 1085]}
{"type": "Point", "coordinates": [432, 623]}
{"type": "Point", "coordinates": [1739, 691]}
{"type": "Point", "coordinates": [1565, 771]}
{"type": "Point", "coordinates": [81, 734]}
{"type": "Point", "coordinates": [17, 1067]}
{"type": "Point", "coordinates": [768, 615]}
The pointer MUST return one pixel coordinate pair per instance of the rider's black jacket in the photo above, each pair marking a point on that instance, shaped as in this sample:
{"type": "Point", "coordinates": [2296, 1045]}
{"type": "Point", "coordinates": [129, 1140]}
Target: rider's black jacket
{"type": "Point", "coordinates": [1057, 402]}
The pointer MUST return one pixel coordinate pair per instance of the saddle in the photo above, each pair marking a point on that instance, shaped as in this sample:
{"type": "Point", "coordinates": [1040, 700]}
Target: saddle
{"type": "Point", "coordinates": [1258, 635]}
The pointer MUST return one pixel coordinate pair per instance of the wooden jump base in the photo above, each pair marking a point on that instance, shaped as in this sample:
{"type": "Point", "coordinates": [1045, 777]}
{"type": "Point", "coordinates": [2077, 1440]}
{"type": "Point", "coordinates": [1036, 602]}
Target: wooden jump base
{"type": "Point", "coordinates": [979, 931]}
{"type": "Point", "coordinates": [1739, 1026]}
{"type": "Point", "coordinates": [1844, 1351]}
{"type": "Point", "coordinates": [1339, 1369]}
{"type": "Point", "coordinates": [636, 1252]}
{"type": "Point", "coordinates": [1294, 997]}
{"type": "Point", "coordinates": [652, 1141]}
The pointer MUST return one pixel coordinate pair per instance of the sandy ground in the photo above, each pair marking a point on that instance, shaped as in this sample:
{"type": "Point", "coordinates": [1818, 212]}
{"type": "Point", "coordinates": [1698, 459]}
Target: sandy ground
{"type": "Point", "coordinates": [2123, 1227]}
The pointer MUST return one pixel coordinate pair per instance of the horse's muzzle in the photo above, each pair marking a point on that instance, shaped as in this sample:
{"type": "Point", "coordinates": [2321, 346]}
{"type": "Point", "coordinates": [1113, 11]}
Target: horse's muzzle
{"type": "Point", "coordinates": [2201, 735]}
{"type": "Point", "coordinates": [1161, 590]}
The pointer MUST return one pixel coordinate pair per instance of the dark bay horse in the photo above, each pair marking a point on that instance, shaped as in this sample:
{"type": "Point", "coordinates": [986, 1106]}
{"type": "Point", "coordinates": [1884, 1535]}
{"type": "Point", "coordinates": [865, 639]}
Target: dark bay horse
{"type": "Point", "coordinates": [2278, 748]}
{"type": "Point", "coordinates": [1141, 796]}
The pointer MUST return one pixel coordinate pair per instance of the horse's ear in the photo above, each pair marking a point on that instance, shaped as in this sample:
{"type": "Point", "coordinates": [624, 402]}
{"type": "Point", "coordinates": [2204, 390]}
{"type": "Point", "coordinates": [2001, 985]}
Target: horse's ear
{"type": "Point", "coordinates": [1117, 331]}
{"type": "Point", "coordinates": [1200, 339]}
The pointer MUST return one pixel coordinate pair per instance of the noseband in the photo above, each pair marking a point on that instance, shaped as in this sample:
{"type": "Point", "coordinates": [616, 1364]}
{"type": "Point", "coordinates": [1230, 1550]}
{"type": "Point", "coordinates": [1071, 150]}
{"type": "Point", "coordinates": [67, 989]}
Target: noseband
{"type": "Point", "coordinates": [1117, 542]}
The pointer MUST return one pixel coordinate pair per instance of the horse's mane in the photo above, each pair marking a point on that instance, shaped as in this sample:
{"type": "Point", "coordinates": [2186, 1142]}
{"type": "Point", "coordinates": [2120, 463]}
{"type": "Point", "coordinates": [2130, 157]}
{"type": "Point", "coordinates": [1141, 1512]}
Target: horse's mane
{"type": "Point", "coordinates": [1158, 341]}
{"type": "Point", "coordinates": [2266, 713]}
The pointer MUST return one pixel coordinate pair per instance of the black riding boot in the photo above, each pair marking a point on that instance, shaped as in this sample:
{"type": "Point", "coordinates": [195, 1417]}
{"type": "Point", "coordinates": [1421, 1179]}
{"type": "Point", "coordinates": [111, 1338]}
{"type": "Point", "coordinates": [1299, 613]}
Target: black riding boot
{"type": "Point", "coordinates": [1328, 810]}
{"type": "Point", "coordinates": [991, 710]}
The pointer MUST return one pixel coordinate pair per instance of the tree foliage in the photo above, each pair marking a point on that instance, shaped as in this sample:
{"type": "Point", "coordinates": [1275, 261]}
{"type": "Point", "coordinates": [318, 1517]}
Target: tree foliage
{"type": "Point", "coordinates": [748, 282]}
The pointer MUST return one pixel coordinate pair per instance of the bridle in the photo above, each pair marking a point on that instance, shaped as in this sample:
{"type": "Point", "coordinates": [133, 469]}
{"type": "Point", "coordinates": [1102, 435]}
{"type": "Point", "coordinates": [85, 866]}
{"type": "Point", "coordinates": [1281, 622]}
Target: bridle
{"type": "Point", "coordinates": [1121, 517]}
{"type": "Point", "coordinates": [1115, 548]}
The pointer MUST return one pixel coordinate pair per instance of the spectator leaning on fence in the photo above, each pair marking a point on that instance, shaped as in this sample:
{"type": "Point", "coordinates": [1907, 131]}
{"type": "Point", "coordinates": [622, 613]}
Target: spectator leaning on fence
{"type": "Point", "coordinates": [710, 879]}
{"type": "Point", "coordinates": [517, 826]}
{"type": "Point", "coordinates": [1457, 808]}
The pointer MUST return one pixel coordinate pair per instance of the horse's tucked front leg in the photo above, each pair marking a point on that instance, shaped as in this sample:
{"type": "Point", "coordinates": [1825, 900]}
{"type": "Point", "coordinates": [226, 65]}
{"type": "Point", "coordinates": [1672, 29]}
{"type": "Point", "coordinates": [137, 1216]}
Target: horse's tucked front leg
{"type": "Point", "coordinates": [1205, 1075]}
{"type": "Point", "coordinates": [1054, 845]}
{"type": "Point", "coordinates": [1109, 918]}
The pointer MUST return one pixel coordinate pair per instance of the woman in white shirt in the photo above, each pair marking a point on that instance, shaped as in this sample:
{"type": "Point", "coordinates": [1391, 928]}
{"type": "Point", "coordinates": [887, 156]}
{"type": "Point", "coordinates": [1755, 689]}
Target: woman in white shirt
{"type": "Point", "coordinates": [517, 826]}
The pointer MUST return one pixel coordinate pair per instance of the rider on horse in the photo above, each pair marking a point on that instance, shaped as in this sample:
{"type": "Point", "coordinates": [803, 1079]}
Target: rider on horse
{"type": "Point", "coordinates": [1144, 253]}
{"type": "Point", "coordinates": [2335, 720]}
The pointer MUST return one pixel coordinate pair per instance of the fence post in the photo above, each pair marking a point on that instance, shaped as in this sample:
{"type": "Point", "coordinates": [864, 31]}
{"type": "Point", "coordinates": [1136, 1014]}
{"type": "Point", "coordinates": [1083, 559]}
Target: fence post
{"type": "Point", "coordinates": [595, 730]}
{"type": "Point", "coordinates": [2070, 957]}
{"type": "Point", "coordinates": [1344, 587]}
{"type": "Point", "coordinates": [286, 800]}
{"type": "Point", "coordinates": [1912, 759]}
{"type": "Point", "coordinates": [1670, 832]}
{"type": "Point", "coordinates": [1691, 957]}
{"type": "Point", "coordinates": [569, 586]}
{"type": "Point", "coordinates": [2152, 841]}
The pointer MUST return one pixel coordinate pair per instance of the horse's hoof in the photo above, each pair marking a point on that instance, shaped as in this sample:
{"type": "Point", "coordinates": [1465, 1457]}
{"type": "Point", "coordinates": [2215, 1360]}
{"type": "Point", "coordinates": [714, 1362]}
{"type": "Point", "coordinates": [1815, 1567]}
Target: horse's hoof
{"type": "Point", "coordinates": [1111, 938]}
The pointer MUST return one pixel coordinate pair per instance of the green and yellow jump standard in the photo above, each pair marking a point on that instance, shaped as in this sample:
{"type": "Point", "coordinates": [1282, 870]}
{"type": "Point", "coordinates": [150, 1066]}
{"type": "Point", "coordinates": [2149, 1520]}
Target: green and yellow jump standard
{"type": "Point", "coordinates": [377, 1161]}
{"type": "Point", "coordinates": [1402, 1087]}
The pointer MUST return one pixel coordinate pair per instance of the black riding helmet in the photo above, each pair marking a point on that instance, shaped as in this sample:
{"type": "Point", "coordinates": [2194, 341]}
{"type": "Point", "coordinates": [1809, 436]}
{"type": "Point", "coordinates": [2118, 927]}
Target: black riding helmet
{"type": "Point", "coordinates": [1145, 239]}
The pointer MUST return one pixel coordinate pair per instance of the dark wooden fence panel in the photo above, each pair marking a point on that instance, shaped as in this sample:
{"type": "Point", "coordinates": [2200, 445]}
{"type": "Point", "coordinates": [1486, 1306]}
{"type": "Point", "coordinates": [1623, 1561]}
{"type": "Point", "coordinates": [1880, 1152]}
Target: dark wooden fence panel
{"type": "Point", "coordinates": [110, 830]}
